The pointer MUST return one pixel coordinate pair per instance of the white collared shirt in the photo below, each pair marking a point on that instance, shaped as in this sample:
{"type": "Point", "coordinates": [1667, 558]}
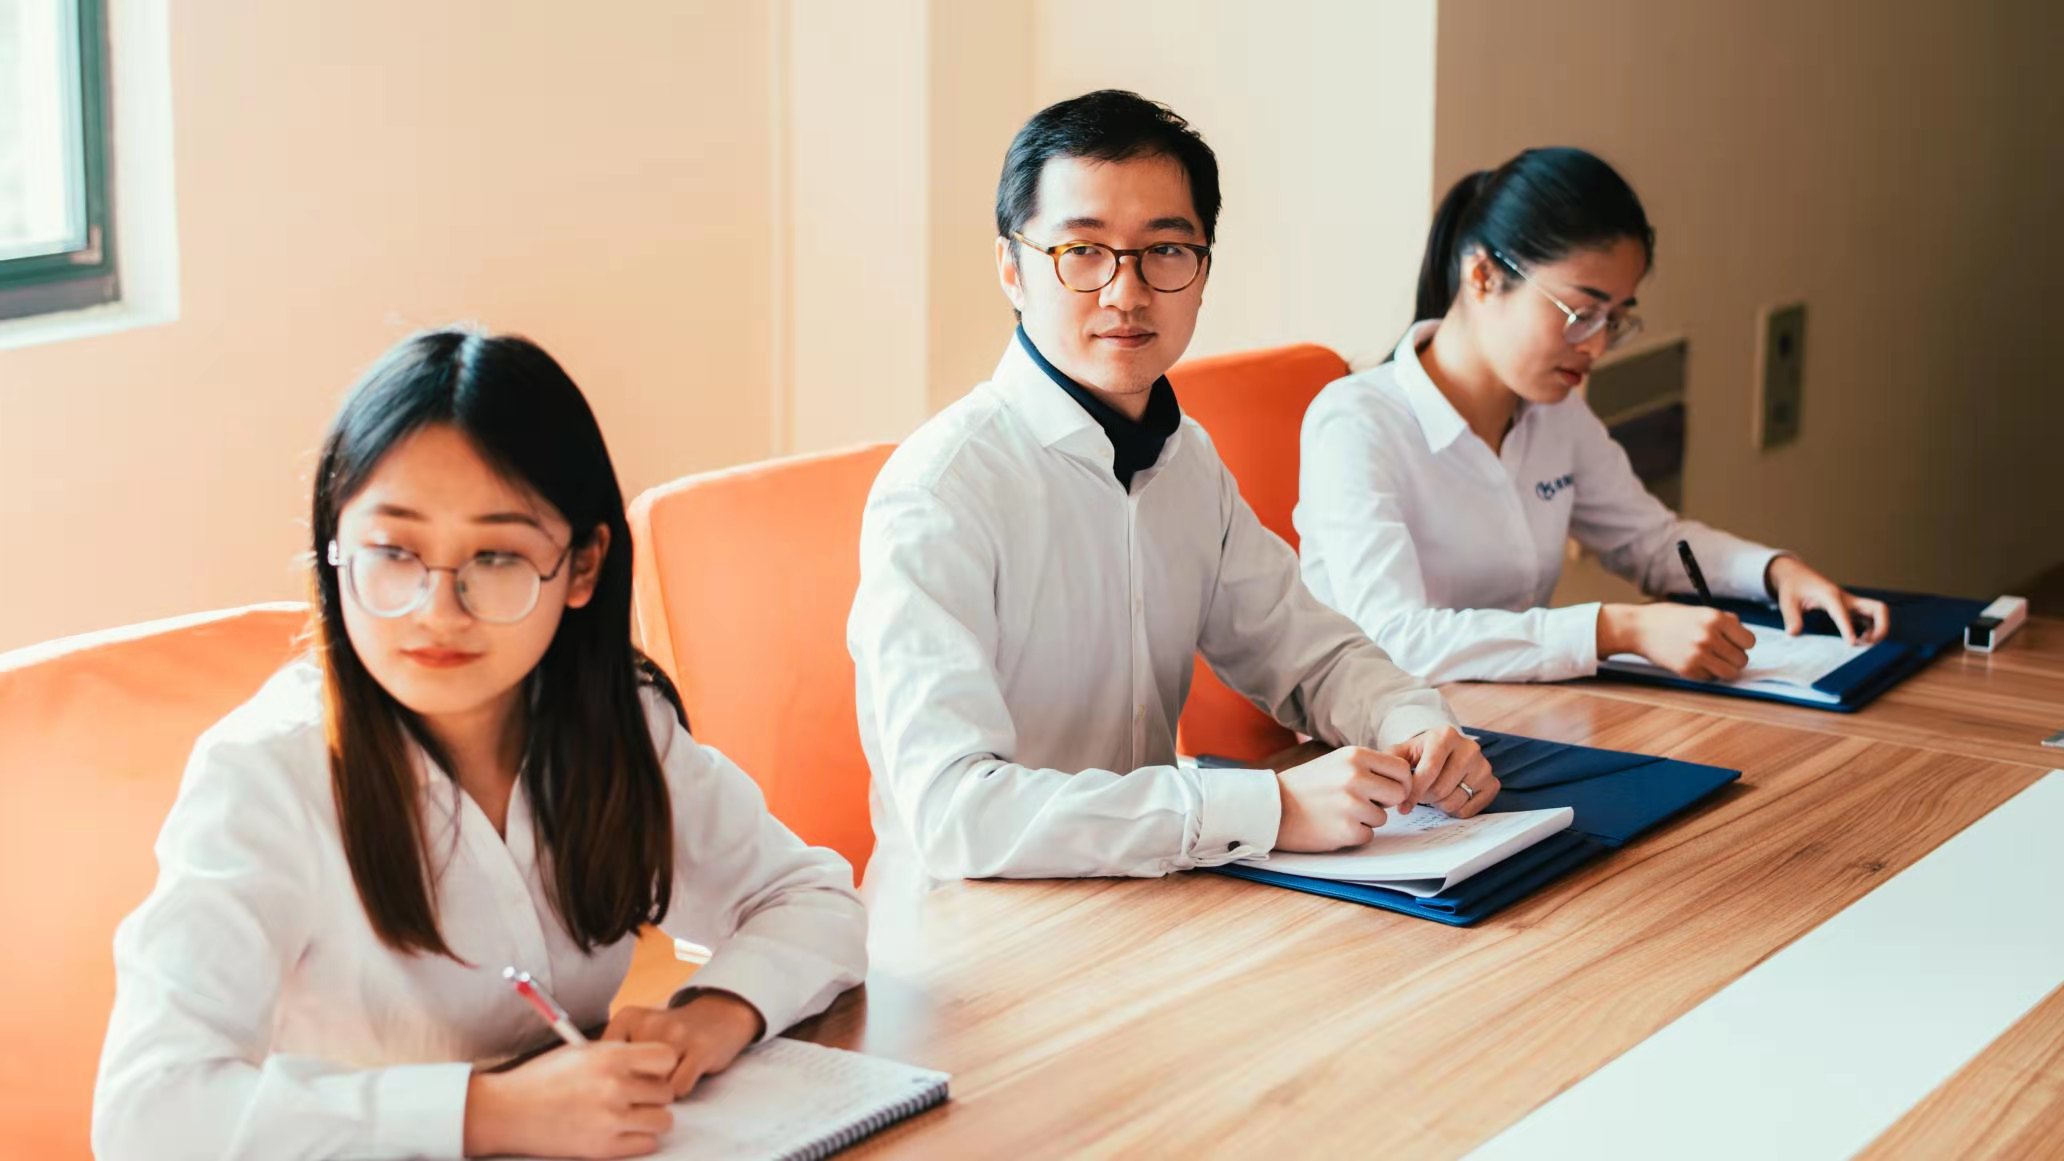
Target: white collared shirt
{"type": "Point", "coordinates": [1446, 552]}
{"type": "Point", "coordinates": [258, 1016]}
{"type": "Point", "coordinates": [1023, 636]}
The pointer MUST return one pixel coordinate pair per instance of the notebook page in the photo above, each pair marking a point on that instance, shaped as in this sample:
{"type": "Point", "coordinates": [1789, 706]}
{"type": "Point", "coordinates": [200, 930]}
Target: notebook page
{"type": "Point", "coordinates": [779, 1099]}
{"type": "Point", "coordinates": [1778, 662]}
{"type": "Point", "coordinates": [1425, 850]}
{"type": "Point", "coordinates": [1802, 660]}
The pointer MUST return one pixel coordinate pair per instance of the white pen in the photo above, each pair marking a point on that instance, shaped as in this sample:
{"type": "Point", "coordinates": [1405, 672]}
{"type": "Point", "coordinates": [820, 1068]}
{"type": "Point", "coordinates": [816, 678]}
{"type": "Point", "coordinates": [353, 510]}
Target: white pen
{"type": "Point", "coordinates": [545, 1006]}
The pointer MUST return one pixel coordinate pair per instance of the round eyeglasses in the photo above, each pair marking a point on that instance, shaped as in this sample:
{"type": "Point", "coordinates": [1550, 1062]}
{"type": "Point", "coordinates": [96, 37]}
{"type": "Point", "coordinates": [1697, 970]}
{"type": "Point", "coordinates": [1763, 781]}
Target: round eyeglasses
{"type": "Point", "coordinates": [500, 588]}
{"type": "Point", "coordinates": [1087, 267]}
{"type": "Point", "coordinates": [1578, 325]}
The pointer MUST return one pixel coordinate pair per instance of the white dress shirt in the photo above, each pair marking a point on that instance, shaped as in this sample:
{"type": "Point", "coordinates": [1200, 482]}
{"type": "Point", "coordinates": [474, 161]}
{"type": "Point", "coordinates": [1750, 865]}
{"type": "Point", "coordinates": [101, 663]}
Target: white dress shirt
{"type": "Point", "coordinates": [1446, 552]}
{"type": "Point", "coordinates": [1023, 636]}
{"type": "Point", "coordinates": [258, 1016]}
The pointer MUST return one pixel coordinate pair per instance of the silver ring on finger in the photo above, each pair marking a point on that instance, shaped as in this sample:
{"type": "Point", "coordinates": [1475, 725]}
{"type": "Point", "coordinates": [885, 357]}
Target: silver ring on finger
{"type": "Point", "coordinates": [1468, 791]}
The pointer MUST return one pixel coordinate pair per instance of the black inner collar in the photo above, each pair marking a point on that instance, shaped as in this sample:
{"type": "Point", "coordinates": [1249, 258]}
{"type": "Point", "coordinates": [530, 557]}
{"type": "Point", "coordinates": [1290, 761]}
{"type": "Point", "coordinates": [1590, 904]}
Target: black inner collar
{"type": "Point", "coordinates": [1135, 444]}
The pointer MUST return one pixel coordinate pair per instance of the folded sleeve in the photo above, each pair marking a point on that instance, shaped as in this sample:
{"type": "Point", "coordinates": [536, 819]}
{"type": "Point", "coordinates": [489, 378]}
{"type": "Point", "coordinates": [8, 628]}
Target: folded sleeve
{"type": "Point", "coordinates": [1306, 665]}
{"type": "Point", "coordinates": [1636, 536]}
{"type": "Point", "coordinates": [186, 1070]}
{"type": "Point", "coordinates": [1357, 548]}
{"type": "Point", "coordinates": [924, 637]}
{"type": "Point", "coordinates": [786, 930]}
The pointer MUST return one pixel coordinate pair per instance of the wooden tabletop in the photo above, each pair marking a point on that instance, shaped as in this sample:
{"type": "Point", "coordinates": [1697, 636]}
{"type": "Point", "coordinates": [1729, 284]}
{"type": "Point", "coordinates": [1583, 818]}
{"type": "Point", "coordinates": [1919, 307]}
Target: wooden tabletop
{"type": "Point", "coordinates": [1205, 1016]}
{"type": "Point", "coordinates": [1989, 705]}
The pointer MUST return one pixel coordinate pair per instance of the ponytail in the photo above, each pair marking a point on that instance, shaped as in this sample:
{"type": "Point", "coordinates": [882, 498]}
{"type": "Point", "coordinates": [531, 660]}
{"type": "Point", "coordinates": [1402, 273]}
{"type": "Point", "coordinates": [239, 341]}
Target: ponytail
{"type": "Point", "coordinates": [1440, 269]}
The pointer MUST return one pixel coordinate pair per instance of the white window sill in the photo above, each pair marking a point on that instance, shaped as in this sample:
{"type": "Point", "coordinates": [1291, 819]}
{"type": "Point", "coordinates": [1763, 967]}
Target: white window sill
{"type": "Point", "coordinates": [92, 322]}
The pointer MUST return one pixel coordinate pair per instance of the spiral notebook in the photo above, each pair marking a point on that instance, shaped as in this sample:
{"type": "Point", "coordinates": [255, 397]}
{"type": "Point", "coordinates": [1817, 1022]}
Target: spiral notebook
{"type": "Point", "coordinates": [790, 1100]}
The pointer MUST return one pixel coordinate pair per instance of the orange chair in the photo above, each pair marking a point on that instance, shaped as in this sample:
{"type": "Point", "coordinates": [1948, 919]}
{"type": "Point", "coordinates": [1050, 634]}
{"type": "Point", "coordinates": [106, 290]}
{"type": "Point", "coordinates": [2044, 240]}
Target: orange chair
{"type": "Point", "coordinates": [94, 733]}
{"type": "Point", "coordinates": [744, 580]}
{"type": "Point", "coordinates": [1253, 405]}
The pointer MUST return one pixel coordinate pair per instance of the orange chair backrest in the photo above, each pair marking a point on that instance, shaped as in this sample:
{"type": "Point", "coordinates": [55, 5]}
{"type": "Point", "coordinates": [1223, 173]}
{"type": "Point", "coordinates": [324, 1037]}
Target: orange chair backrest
{"type": "Point", "coordinates": [1252, 403]}
{"type": "Point", "coordinates": [94, 734]}
{"type": "Point", "coordinates": [744, 580]}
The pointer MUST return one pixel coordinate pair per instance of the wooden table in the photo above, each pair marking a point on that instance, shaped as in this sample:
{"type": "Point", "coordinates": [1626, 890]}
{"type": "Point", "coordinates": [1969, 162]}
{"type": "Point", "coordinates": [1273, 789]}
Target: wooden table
{"type": "Point", "coordinates": [1205, 1016]}
{"type": "Point", "coordinates": [1990, 705]}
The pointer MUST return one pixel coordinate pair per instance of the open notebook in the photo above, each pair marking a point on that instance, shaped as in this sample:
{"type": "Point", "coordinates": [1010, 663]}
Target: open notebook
{"type": "Point", "coordinates": [1778, 663]}
{"type": "Point", "coordinates": [1425, 852]}
{"type": "Point", "coordinates": [790, 1100]}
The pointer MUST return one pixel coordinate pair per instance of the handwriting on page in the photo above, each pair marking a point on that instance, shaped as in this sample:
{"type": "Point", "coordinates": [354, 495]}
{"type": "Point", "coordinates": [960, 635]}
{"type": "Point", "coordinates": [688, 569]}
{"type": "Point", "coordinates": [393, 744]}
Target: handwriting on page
{"type": "Point", "coordinates": [1800, 660]}
{"type": "Point", "coordinates": [1426, 828]}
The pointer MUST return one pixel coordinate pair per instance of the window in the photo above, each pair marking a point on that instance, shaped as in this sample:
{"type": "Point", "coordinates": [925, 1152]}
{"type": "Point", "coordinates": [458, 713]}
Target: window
{"type": "Point", "coordinates": [56, 249]}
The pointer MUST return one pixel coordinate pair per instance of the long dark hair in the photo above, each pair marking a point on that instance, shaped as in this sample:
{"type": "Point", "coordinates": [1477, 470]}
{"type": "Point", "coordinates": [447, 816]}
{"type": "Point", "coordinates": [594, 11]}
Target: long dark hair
{"type": "Point", "coordinates": [589, 766]}
{"type": "Point", "coordinates": [1533, 209]}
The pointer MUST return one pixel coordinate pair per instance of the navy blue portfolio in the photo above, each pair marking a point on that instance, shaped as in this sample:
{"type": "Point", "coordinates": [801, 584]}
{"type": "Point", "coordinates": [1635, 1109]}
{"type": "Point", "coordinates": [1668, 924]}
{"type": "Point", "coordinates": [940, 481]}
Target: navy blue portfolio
{"type": "Point", "coordinates": [1922, 626]}
{"type": "Point", "coordinates": [1616, 797]}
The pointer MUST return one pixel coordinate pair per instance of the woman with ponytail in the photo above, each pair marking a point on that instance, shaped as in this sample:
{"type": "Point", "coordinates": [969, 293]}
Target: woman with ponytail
{"type": "Point", "coordinates": [474, 769]}
{"type": "Point", "coordinates": [1437, 490]}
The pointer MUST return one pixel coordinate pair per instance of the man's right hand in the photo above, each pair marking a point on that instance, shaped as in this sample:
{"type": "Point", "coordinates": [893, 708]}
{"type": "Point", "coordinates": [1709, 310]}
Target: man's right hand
{"type": "Point", "coordinates": [1334, 801]}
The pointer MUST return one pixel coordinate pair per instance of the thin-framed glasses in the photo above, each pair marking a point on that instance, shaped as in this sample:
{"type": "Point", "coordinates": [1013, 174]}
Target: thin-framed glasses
{"type": "Point", "coordinates": [1087, 267]}
{"type": "Point", "coordinates": [1579, 325]}
{"type": "Point", "coordinates": [500, 588]}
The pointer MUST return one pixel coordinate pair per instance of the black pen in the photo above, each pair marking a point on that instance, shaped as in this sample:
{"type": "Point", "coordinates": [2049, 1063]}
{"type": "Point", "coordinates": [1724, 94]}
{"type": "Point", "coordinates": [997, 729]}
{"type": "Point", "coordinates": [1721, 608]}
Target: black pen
{"type": "Point", "coordinates": [1691, 569]}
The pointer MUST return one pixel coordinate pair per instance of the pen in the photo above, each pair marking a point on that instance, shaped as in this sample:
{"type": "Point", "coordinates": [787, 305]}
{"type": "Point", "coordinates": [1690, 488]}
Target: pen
{"type": "Point", "coordinates": [547, 1009]}
{"type": "Point", "coordinates": [1691, 569]}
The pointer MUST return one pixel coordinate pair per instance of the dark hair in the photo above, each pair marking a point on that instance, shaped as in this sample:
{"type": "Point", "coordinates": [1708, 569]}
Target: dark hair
{"type": "Point", "coordinates": [1533, 209]}
{"type": "Point", "coordinates": [589, 767]}
{"type": "Point", "coordinates": [1107, 125]}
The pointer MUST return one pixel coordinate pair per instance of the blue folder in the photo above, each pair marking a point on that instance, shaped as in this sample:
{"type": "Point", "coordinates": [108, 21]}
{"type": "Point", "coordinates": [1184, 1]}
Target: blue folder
{"type": "Point", "coordinates": [1922, 626]}
{"type": "Point", "coordinates": [1616, 797]}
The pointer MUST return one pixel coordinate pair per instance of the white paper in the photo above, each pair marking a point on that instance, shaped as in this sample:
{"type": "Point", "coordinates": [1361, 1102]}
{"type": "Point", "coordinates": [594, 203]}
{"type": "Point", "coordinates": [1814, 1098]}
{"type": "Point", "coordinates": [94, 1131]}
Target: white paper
{"type": "Point", "coordinates": [1425, 852]}
{"type": "Point", "coordinates": [1778, 662]}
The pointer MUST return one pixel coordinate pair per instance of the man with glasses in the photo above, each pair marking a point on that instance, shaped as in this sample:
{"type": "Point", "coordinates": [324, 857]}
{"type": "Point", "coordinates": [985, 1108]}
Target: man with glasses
{"type": "Point", "coordinates": [1042, 560]}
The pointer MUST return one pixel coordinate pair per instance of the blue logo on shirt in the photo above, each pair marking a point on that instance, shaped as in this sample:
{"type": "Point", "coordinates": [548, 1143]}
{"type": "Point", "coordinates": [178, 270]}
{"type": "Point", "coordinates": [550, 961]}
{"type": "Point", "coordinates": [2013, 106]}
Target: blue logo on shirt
{"type": "Point", "coordinates": [1547, 489]}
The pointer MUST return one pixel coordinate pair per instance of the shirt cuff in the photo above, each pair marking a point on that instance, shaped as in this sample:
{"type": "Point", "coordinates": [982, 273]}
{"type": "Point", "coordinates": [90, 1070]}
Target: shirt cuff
{"type": "Point", "coordinates": [1572, 642]}
{"type": "Point", "coordinates": [1242, 811]}
{"type": "Point", "coordinates": [1746, 573]}
{"type": "Point", "coordinates": [419, 1110]}
{"type": "Point", "coordinates": [754, 978]}
{"type": "Point", "coordinates": [1409, 721]}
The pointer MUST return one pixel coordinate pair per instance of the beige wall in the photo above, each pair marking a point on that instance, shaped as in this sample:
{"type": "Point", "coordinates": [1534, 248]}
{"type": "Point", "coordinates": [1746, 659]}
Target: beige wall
{"type": "Point", "coordinates": [347, 172]}
{"type": "Point", "coordinates": [1896, 167]}
{"type": "Point", "coordinates": [694, 206]}
{"type": "Point", "coordinates": [704, 209]}
{"type": "Point", "coordinates": [1321, 112]}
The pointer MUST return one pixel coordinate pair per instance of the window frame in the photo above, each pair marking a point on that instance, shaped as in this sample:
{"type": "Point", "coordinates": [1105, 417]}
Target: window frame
{"type": "Point", "coordinates": [83, 277]}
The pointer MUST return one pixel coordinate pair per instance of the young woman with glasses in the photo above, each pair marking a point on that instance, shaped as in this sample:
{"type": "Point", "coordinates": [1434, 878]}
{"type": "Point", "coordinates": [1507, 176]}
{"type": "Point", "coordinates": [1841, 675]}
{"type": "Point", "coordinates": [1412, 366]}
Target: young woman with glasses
{"type": "Point", "coordinates": [1437, 490]}
{"type": "Point", "coordinates": [473, 770]}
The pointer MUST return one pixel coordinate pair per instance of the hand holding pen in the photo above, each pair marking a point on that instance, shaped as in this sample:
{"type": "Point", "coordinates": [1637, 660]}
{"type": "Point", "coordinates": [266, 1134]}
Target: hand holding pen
{"type": "Point", "coordinates": [1695, 641]}
{"type": "Point", "coordinates": [588, 1100]}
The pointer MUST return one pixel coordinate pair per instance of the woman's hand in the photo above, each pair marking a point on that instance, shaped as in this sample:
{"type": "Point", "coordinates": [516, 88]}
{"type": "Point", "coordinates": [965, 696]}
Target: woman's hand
{"type": "Point", "coordinates": [1799, 589]}
{"type": "Point", "coordinates": [706, 1034]}
{"type": "Point", "coordinates": [597, 1100]}
{"type": "Point", "coordinates": [1692, 641]}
